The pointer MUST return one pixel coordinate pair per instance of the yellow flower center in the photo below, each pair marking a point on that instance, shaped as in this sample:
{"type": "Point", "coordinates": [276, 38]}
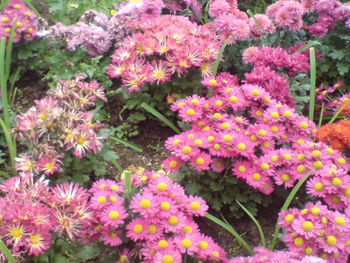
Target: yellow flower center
{"type": "Point", "coordinates": [101, 199]}
{"type": "Point", "coordinates": [165, 206]}
{"type": "Point", "coordinates": [138, 228]}
{"type": "Point", "coordinates": [308, 226]}
{"type": "Point", "coordinates": [186, 243]}
{"type": "Point", "coordinates": [162, 243]}
{"type": "Point", "coordinates": [195, 206]}
{"type": "Point", "coordinates": [173, 220]}
{"type": "Point", "coordinates": [145, 204]}
{"type": "Point", "coordinates": [113, 215]}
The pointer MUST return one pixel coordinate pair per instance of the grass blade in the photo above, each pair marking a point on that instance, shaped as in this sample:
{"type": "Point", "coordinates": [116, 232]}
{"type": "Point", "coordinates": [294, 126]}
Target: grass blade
{"type": "Point", "coordinates": [285, 207]}
{"type": "Point", "coordinates": [218, 58]}
{"type": "Point", "coordinates": [321, 117]}
{"type": "Point", "coordinates": [309, 45]}
{"type": "Point", "coordinates": [128, 144]}
{"type": "Point", "coordinates": [161, 117]}
{"type": "Point", "coordinates": [128, 187]}
{"type": "Point", "coordinates": [7, 252]}
{"type": "Point", "coordinates": [230, 229]}
{"type": "Point", "coordinates": [117, 165]}
{"type": "Point", "coordinates": [339, 111]}
{"type": "Point", "coordinates": [3, 83]}
{"type": "Point", "coordinates": [11, 146]}
{"type": "Point", "coordinates": [256, 222]}
{"type": "Point", "coordinates": [312, 83]}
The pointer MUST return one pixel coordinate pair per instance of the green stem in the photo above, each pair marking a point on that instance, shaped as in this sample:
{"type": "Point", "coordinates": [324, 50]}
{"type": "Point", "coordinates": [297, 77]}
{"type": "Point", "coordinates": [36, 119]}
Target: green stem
{"type": "Point", "coordinates": [160, 116]}
{"type": "Point", "coordinates": [217, 62]}
{"type": "Point", "coordinates": [7, 252]}
{"type": "Point", "coordinates": [230, 229]}
{"type": "Point", "coordinates": [11, 146]}
{"type": "Point", "coordinates": [117, 165]}
{"type": "Point", "coordinates": [128, 188]}
{"type": "Point", "coordinates": [339, 111]}
{"type": "Point", "coordinates": [3, 83]}
{"type": "Point", "coordinates": [312, 83]}
{"type": "Point", "coordinates": [285, 207]}
{"type": "Point", "coordinates": [256, 222]}
{"type": "Point", "coordinates": [321, 117]}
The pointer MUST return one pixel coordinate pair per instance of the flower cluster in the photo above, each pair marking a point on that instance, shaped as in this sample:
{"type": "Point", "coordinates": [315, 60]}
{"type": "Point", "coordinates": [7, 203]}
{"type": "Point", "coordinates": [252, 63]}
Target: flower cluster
{"type": "Point", "coordinates": [328, 13]}
{"type": "Point", "coordinates": [31, 210]}
{"type": "Point", "coordinates": [263, 255]}
{"type": "Point", "coordinates": [160, 48]}
{"type": "Point", "coordinates": [268, 64]}
{"type": "Point", "coordinates": [316, 230]}
{"type": "Point", "coordinates": [270, 142]}
{"type": "Point", "coordinates": [160, 220]}
{"type": "Point", "coordinates": [18, 16]}
{"type": "Point", "coordinates": [59, 122]}
{"type": "Point", "coordinates": [287, 14]}
{"type": "Point", "coordinates": [230, 21]}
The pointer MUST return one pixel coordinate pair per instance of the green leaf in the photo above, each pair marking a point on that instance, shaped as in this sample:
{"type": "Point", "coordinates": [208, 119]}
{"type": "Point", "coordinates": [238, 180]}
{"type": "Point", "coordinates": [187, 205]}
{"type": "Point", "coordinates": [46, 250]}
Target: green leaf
{"type": "Point", "coordinates": [88, 253]}
{"type": "Point", "coordinates": [59, 259]}
{"type": "Point", "coordinates": [342, 68]}
{"type": "Point", "coordinates": [109, 155]}
{"type": "Point", "coordinates": [80, 178]}
{"type": "Point", "coordinates": [337, 54]}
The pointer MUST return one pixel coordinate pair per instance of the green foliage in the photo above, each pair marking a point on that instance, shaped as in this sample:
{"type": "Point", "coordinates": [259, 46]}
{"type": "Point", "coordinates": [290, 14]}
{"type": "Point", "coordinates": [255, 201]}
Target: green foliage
{"type": "Point", "coordinates": [57, 63]}
{"type": "Point", "coordinates": [66, 251]}
{"type": "Point", "coordinates": [221, 191]}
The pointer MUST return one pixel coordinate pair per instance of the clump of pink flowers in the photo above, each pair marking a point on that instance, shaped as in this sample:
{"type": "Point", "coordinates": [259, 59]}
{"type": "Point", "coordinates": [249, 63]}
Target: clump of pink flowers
{"type": "Point", "coordinates": [263, 255]}
{"type": "Point", "coordinates": [316, 230]}
{"type": "Point", "coordinates": [60, 122]}
{"type": "Point", "coordinates": [158, 221]}
{"type": "Point", "coordinates": [262, 140]}
{"type": "Point", "coordinates": [31, 210]}
{"type": "Point", "coordinates": [160, 48]}
{"type": "Point", "coordinates": [18, 16]}
{"type": "Point", "coordinates": [268, 64]}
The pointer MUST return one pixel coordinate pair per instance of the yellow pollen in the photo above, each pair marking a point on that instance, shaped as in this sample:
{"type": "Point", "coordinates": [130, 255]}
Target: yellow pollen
{"type": "Point", "coordinates": [340, 221]}
{"type": "Point", "coordinates": [331, 240]}
{"type": "Point", "coordinates": [233, 99]}
{"type": "Point", "coordinates": [186, 243]}
{"type": "Point", "coordinates": [152, 229]}
{"type": "Point", "coordinates": [187, 229]}
{"type": "Point", "coordinates": [303, 125]}
{"type": "Point", "coordinates": [113, 198]}
{"type": "Point", "coordinates": [318, 186]}
{"type": "Point", "coordinates": [287, 114]}
{"type": "Point", "coordinates": [346, 192]}
{"type": "Point", "coordinates": [275, 115]}
{"type": "Point", "coordinates": [255, 92]}
{"type": "Point", "coordinates": [145, 204]}
{"type": "Point", "coordinates": [301, 169]}
{"type": "Point", "coordinates": [337, 181]}
{"type": "Point", "coordinates": [256, 177]}
{"type": "Point", "coordinates": [173, 164]}
{"type": "Point", "coordinates": [212, 82]}
{"type": "Point", "coordinates": [216, 146]}
{"type": "Point", "coordinates": [162, 243]}
{"type": "Point", "coordinates": [138, 228]}
{"type": "Point", "coordinates": [187, 150]}
{"type": "Point", "coordinates": [318, 165]}
{"type": "Point", "coordinates": [274, 129]}
{"type": "Point", "coordinates": [289, 218]}
{"type": "Point", "coordinates": [198, 142]}
{"type": "Point", "coordinates": [330, 151]}
{"type": "Point", "coordinates": [308, 250]}
{"type": "Point", "coordinates": [242, 168]}
{"type": "Point", "coordinates": [203, 245]}
{"type": "Point", "coordinates": [173, 220]}
{"type": "Point", "coordinates": [195, 206]}
{"type": "Point", "coordinates": [190, 112]}
{"type": "Point", "coordinates": [217, 115]}
{"type": "Point", "coordinates": [316, 153]}
{"type": "Point", "coordinates": [299, 241]}
{"type": "Point", "coordinates": [113, 215]}
{"type": "Point", "coordinates": [265, 166]}
{"type": "Point", "coordinates": [167, 259]}
{"type": "Point", "coordinates": [219, 103]}
{"type": "Point", "coordinates": [225, 125]}
{"type": "Point", "coordinates": [300, 141]}
{"type": "Point", "coordinates": [253, 138]}
{"type": "Point", "coordinates": [287, 157]}
{"type": "Point", "coordinates": [285, 177]}
{"type": "Point", "coordinates": [227, 138]}
{"type": "Point", "coordinates": [162, 186]}
{"type": "Point", "coordinates": [241, 146]}
{"type": "Point", "coordinates": [165, 206]}
{"type": "Point", "coordinates": [341, 161]}
{"type": "Point", "coordinates": [300, 157]}
{"type": "Point", "coordinates": [16, 232]}
{"type": "Point", "coordinates": [274, 158]}
{"type": "Point", "coordinates": [81, 140]}
{"type": "Point", "coordinates": [4, 19]}
{"type": "Point", "coordinates": [308, 226]}
{"type": "Point", "coordinates": [200, 161]}
{"type": "Point", "coordinates": [262, 132]}
{"type": "Point", "coordinates": [17, 6]}
{"type": "Point", "coordinates": [101, 199]}
{"type": "Point", "coordinates": [315, 211]}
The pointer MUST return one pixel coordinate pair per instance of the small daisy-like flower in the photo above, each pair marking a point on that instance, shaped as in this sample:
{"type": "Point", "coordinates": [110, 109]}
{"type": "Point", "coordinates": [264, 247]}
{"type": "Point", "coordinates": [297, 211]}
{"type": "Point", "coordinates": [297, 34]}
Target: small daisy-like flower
{"type": "Point", "coordinates": [114, 215]}
{"type": "Point", "coordinates": [196, 206]}
{"type": "Point", "coordinates": [145, 204]}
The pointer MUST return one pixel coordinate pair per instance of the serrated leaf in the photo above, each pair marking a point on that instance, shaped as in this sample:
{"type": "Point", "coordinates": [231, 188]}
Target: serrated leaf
{"type": "Point", "coordinates": [80, 178]}
{"type": "Point", "coordinates": [88, 253]}
{"type": "Point", "coordinates": [59, 259]}
{"type": "Point", "coordinates": [109, 155]}
{"type": "Point", "coordinates": [342, 68]}
{"type": "Point", "coordinates": [337, 54]}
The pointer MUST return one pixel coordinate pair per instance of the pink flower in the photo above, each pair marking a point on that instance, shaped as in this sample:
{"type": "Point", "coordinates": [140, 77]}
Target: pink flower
{"type": "Point", "coordinates": [114, 215]}
{"type": "Point", "coordinates": [145, 204]}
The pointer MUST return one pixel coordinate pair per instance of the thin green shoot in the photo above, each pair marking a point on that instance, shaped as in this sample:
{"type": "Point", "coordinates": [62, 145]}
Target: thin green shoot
{"type": "Point", "coordinates": [312, 83]}
{"type": "Point", "coordinates": [7, 252]}
{"type": "Point", "coordinates": [285, 207]}
{"type": "Point", "coordinates": [321, 117]}
{"type": "Point", "coordinates": [126, 143]}
{"type": "Point", "coordinates": [161, 117]}
{"type": "Point", "coordinates": [256, 222]}
{"type": "Point", "coordinates": [230, 229]}
{"type": "Point", "coordinates": [339, 111]}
